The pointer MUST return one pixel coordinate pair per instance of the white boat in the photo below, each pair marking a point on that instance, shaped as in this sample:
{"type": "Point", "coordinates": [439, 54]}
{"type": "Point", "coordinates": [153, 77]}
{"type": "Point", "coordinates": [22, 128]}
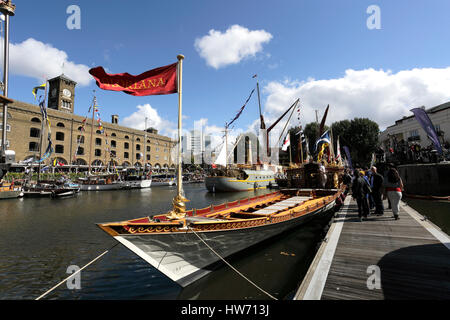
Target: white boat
{"type": "Point", "coordinates": [8, 191]}
{"type": "Point", "coordinates": [163, 180]}
{"type": "Point", "coordinates": [100, 183]}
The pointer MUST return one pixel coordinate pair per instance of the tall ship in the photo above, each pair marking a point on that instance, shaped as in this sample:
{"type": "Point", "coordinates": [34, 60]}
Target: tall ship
{"type": "Point", "coordinates": [225, 177]}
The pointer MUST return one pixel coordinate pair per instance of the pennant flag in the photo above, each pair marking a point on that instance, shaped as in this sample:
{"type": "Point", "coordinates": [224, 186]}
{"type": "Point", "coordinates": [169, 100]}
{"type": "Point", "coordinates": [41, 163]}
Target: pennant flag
{"type": "Point", "coordinates": [322, 123]}
{"type": "Point", "coordinates": [424, 120]}
{"type": "Point", "coordinates": [35, 89]}
{"type": "Point", "coordinates": [287, 142]}
{"type": "Point", "coordinates": [162, 80]}
{"type": "Point", "coordinates": [338, 151]}
{"type": "Point", "coordinates": [254, 76]}
{"type": "Point", "coordinates": [241, 109]}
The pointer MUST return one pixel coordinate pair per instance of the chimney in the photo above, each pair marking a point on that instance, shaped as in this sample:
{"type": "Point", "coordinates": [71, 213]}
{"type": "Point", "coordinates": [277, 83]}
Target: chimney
{"type": "Point", "coordinates": [115, 119]}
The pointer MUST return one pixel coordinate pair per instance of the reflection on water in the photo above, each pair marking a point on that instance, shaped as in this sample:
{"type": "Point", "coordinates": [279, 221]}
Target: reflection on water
{"type": "Point", "coordinates": [40, 238]}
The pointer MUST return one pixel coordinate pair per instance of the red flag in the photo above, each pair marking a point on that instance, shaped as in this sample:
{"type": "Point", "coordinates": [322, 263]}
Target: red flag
{"type": "Point", "coordinates": [162, 80]}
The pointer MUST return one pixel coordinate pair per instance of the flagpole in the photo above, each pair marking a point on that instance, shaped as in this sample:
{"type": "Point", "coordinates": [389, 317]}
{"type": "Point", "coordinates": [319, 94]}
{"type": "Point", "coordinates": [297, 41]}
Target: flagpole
{"type": "Point", "coordinates": [301, 150]}
{"type": "Point", "coordinates": [42, 131]}
{"type": "Point", "coordinates": [94, 102]}
{"type": "Point", "coordinates": [290, 149]}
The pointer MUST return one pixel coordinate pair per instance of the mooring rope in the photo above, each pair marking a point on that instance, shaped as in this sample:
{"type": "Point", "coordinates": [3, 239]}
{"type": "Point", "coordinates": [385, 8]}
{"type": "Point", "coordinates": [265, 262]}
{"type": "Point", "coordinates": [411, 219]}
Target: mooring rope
{"type": "Point", "coordinates": [73, 274]}
{"type": "Point", "coordinates": [233, 268]}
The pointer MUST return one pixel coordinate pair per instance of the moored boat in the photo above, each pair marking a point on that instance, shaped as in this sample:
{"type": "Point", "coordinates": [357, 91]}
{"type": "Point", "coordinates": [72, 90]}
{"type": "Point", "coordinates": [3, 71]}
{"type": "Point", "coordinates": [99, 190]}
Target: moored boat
{"type": "Point", "coordinates": [177, 247]}
{"type": "Point", "coordinates": [240, 180]}
{"type": "Point", "coordinates": [100, 183]}
{"type": "Point", "coordinates": [9, 191]}
{"type": "Point", "coordinates": [163, 180]}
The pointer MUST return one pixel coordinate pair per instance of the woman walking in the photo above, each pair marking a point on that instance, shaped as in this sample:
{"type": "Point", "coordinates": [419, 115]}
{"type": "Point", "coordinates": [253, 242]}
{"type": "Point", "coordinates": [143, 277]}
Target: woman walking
{"type": "Point", "coordinates": [393, 187]}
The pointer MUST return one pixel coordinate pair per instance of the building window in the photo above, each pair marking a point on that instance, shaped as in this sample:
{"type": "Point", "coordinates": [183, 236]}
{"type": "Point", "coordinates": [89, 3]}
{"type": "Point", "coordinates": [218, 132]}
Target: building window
{"type": "Point", "coordinates": [33, 146]}
{"type": "Point", "coordinates": [98, 132]}
{"type": "Point", "coordinates": [113, 143]}
{"type": "Point", "coordinates": [148, 141]}
{"type": "Point", "coordinates": [138, 139]}
{"type": "Point", "coordinates": [34, 132]}
{"type": "Point", "coordinates": [98, 141]}
{"type": "Point", "coordinates": [126, 155]}
{"type": "Point", "coordinates": [66, 104]}
{"type": "Point", "coordinates": [126, 145]}
{"type": "Point", "coordinates": [138, 147]}
{"type": "Point", "coordinates": [138, 156]}
{"type": "Point", "coordinates": [59, 148]}
{"type": "Point", "coordinates": [157, 149]}
{"type": "Point", "coordinates": [80, 151]}
{"type": "Point", "coordinates": [98, 152]}
{"type": "Point", "coordinates": [80, 139]}
{"type": "Point", "coordinates": [113, 153]}
{"type": "Point", "coordinates": [60, 136]}
{"type": "Point", "coordinates": [127, 137]}
{"type": "Point", "coordinates": [8, 127]}
{"type": "Point", "coordinates": [148, 148]}
{"type": "Point", "coordinates": [60, 124]}
{"type": "Point", "coordinates": [36, 120]}
{"type": "Point", "coordinates": [148, 157]}
{"type": "Point", "coordinates": [113, 134]}
{"type": "Point", "coordinates": [414, 133]}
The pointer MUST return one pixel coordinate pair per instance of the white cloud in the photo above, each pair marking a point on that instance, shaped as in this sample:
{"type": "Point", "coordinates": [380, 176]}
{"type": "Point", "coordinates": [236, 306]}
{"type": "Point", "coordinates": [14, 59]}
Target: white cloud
{"type": "Point", "coordinates": [379, 95]}
{"type": "Point", "coordinates": [137, 121]}
{"type": "Point", "coordinates": [38, 60]}
{"type": "Point", "coordinates": [236, 43]}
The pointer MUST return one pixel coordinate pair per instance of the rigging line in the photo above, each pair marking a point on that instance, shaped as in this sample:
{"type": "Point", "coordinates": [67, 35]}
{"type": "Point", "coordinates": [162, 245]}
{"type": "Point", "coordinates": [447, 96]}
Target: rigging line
{"type": "Point", "coordinates": [287, 123]}
{"type": "Point", "coordinates": [73, 274]}
{"type": "Point", "coordinates": [237, 271]}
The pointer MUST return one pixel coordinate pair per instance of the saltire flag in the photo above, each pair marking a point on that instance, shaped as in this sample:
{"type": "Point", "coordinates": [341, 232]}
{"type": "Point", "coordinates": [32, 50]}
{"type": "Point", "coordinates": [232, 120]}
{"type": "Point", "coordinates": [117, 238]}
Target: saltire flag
{"type": "Point", "coordinates": [322, 123]}
{"type": "Point", "coordinates": [424, 120]}
{"type": "Point", "coordinates": [35, 89]}
{"type": "Point", "coordinates": [240, 110]}
{"type": "Point", "coordinates": [162, 80]}
{"type": "Point", "coordinates": [287, 142]}
{"type": "Point", "coordinates": [349, 158]}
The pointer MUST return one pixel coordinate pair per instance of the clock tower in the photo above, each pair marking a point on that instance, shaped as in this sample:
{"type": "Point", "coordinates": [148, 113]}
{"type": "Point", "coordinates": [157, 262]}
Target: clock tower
{"type": "Point", "coordinates": [61, 94]}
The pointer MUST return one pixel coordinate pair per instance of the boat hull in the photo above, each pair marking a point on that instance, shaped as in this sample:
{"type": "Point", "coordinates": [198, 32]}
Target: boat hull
{"type": "Point", "coordinates": [11, 194]}
{"type": "Point", "coordinates": [100, 187]}
{"type": "Point", "coordinates": [163, 183]}
{"type": "Point", "coordinates": [139, 184]}
{"type": "Point", "coordinates": [231, 184]}
{"type": "Point", "coordinates": [184, 258]}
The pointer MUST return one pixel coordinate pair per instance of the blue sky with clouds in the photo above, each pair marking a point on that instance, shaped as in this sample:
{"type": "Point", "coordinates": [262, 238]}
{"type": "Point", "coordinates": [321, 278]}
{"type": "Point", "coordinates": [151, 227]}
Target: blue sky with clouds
{"type": "Point", "coordinates": [319, 51]}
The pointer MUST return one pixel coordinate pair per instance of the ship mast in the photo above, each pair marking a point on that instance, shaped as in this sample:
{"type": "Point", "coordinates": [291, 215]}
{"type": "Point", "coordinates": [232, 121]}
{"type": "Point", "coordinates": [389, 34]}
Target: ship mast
{"type": "Point", "coordinates": [94, 103]}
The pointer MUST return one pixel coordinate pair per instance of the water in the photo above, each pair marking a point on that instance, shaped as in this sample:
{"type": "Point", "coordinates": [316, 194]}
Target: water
{"type": "Point", "coordinates": [436, 211]}
{"type": "Point", "coordinates": [40, 238]}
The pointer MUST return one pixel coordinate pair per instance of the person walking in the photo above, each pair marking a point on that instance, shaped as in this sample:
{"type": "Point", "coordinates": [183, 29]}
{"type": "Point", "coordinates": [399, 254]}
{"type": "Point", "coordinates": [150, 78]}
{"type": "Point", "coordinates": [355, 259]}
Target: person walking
{"type": "Point", "coordinates": [368, 177]}
{"type": "Point", "coordinates": [393, 188]}
{"type": "Point", "coordinates": [377, 186]}
{"type": "Point", "coordinates": [360, 189]}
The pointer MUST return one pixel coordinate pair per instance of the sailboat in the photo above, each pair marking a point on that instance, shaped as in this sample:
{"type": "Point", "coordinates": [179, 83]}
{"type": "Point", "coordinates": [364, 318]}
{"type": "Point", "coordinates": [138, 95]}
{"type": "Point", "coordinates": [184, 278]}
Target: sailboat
{"type": "Point", "coordinates": [185, 244]}
{"type": "Point", "coordinates": [99, 182]}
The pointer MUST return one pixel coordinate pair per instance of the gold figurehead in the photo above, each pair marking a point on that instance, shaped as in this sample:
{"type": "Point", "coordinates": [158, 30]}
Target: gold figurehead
{"type": "Point", "coordinates": [179, 208]}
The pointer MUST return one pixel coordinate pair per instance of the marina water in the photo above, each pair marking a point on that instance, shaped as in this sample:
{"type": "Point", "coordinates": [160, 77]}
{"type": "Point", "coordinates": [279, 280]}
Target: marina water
{"type": "Point", "coordinates": [41, 237]}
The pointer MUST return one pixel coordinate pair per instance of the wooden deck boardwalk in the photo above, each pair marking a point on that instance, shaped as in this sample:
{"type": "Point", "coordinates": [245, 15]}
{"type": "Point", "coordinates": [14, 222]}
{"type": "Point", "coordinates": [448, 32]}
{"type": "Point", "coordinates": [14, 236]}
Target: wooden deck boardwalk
{"type": "Point", "coordinates": [379, 258]}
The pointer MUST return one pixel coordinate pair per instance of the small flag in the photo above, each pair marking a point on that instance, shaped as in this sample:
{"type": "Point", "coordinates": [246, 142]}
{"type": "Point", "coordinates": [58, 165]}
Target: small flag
{"type": "Point", "coordinates": [35, 89]}
{"type": "Point", "coordinates": [287, 142]}
{"type": "Point", "coordinates": [254, 76]}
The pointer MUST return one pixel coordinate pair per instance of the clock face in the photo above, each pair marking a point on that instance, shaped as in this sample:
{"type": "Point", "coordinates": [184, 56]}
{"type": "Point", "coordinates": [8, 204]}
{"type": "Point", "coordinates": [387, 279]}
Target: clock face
{"type": "Point", "coordinates": [67, 93]}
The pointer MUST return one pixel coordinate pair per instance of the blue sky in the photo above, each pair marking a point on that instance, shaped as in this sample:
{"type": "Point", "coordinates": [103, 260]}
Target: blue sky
{"type": "Point", "coordinates": [319, 51]}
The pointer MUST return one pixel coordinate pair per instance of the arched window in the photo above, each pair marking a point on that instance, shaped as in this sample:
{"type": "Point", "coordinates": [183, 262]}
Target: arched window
{"type": "Point", "coordinates": [127, 137]}
{"type": "Point", "coordinates": [138, 139]}
{"type": "Point", "coordinates": [113, 134]}
{"type": "Point", "coordinates": [60, 136]}
{"type": "Point", "coordinates": [138, 147]}
{"type": "Point", "coordinates": [34, 132]}
{"type": "Point", "coordinates": [148, 140]}
{"type": "Point", "coordinates": [79, 162]}
{"type": "Point", "coordinates": [60, 124]}
{"type": "Point", "coordinates": [97, 163]}
{"type": "Point", "coordinates": [36, 120]}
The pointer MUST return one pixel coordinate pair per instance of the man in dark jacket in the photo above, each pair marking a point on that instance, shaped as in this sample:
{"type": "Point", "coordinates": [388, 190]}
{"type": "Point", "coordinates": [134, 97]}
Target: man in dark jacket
{"type": "Point", "coordinates": [377, 185]}
{"type": "Point", "coordinates": [360, 189]}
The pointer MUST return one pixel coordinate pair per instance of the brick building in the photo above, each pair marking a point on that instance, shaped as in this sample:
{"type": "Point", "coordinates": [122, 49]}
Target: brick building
{"type": "Point", "coordinates": [129, 147]}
